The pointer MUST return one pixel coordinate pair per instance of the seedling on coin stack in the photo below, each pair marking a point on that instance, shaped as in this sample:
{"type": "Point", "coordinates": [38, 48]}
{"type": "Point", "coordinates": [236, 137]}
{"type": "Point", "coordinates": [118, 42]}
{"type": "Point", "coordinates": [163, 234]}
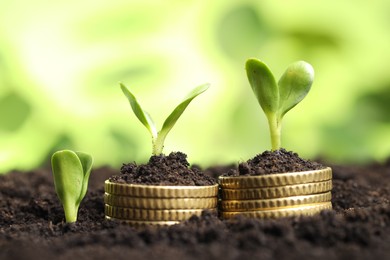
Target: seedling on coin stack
{"type": "Point", "coordinates": [261, 187]}
{"type": "Point", "coordinates": [165, 190]}
{"type": "Point", "coordinates": [158, 137]}
{"type": "Point", "coordinates": [276, 99]}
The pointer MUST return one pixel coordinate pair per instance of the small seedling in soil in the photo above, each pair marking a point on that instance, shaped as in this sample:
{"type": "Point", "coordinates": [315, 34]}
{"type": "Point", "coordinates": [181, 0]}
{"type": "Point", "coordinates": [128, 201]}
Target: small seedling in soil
{"type": "Point", "coordinates": [158, 137]}
{"type": "Point", "coordinates": [71, 172]}
{"type": "Point", "coordinates": [276, 99]}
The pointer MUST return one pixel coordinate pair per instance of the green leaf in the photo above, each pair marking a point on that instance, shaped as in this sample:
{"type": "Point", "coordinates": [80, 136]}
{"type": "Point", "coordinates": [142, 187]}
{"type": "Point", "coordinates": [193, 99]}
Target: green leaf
{"type": "Point", "coordinates": [178, 111]}
{"type": "Point", "coordinates": [294, 85]}
{"type": "Point", "coordinates": [142, 115]}
{"type": "Point", "coordinates": [86, 162]}
{"type": "Point", "coordinates": [263, 85]}
{"type": "Point", "coordinates": [71, 172]}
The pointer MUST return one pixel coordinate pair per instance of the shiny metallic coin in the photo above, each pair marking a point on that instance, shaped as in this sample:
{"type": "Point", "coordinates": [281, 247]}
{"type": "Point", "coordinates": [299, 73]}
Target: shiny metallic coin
{"type": "Point", "coordinates": [160, 203]}
{"type": "Point", "coordinates": [278, 179]}
{"type": "Point", "coordinates": [135, 190]}
{"type": "Point", "coordinates": [248, 205]}
{"type": "Point", "coordinates": [143, 223]}
{"type": "Point", "coordinates": [303, 210]}
{"type": "Point", "coordinates": [149, 214]}
{"type": "Point", "coordinates": [276, 192]}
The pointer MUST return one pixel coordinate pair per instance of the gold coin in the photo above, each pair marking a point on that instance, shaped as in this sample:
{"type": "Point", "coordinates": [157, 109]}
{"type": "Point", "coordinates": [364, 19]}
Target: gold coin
{"type": "Point", "coordinates": [278, 179]}
{"type": "Point", "coordinates": [246, 205]}
{"type": "Point", "coordinates": [160, 203]}
{"type": "Point", "coordinates": [143, 223]}
{"type": "Point", "coordinates": [150, 214]}
{"type": "Point", "coordinates": [135, 190]}
{"type": "Point", "coordinates": [305, 210]}
{"type": "Point", "coordinates": [277, 192]}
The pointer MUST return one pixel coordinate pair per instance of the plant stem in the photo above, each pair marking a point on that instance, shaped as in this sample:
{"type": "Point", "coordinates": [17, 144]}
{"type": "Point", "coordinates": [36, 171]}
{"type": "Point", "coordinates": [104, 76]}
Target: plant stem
{"type": "Point", "coordinates": [158, 144]}
{"type": "Point", "coordinates": [70, 212]}
{"type": "Point", "coordinates": [275, 127]}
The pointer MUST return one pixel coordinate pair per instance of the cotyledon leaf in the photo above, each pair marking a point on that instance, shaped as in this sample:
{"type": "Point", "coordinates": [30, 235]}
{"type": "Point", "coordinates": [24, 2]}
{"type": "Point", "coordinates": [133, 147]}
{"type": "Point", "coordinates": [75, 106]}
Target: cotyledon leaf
{"type": "Point", "coordinates": [68, 175]}
{"type": "Point", "coordinates": [263, 85]}
{"type": "Point", "coordinates": [142, 115]}
{"type": "Point", "coordinates": [86, 161]}
{"type": "Point", "coordinates": [178, 111]}
{"type": "Point", "coordinates": [294, 85]}
{"type": "Point", "coordinates": [71, 172]}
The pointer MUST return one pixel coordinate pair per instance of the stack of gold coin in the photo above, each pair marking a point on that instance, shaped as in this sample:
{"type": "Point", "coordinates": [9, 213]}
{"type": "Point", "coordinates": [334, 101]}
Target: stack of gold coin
{"type": "Point", "coordinates": [156, 205]}
{"type": "Point", "coordinates": [276, 195]}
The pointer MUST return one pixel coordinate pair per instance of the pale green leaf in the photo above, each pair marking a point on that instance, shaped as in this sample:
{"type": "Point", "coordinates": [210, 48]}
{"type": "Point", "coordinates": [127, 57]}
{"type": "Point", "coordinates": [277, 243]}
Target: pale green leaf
{"type": "Point", "coordinates": [68, 181]}
{"type": "Point", "coordinates": [142, 115]}
{"type": "Point", "coordinates": [68, 175]}
{"type": "Point", "coordinates": [294, 85]}
{"type": "Point", "coordinates": [86, 162]}
{"type": "Point", "coordinates": [178, 111]}
{"type": "Point", "coordinates": [263, 85]}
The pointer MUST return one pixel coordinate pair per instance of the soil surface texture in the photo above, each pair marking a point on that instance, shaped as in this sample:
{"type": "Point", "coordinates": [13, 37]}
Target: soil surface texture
{"type": "Point", "coordinates": [279, 161]}
{"type": "Point", "coordinates": [163, 170]}
{"type": "Point", "coordinates": [32, 224]}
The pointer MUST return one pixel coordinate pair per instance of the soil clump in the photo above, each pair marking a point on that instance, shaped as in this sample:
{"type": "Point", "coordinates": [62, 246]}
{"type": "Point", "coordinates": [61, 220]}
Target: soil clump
{"type": "Point", "coordinates": [163, 170]}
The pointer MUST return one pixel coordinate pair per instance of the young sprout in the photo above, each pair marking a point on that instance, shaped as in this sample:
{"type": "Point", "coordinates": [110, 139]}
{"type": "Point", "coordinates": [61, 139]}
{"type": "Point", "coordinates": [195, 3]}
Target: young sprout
{"type": "Point", "coordinates": [71, 172]}
{"type": "Point", "coordinates": [158, 137]}
{"type": "Point", "coordinates": [276, 99]}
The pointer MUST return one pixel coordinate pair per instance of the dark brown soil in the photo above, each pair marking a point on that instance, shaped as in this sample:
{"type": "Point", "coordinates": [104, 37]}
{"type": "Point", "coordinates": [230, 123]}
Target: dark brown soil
{"type": "Point", "coordinates": [163, 170]}
{"type": "Point", "coordinates": [279, 161]}
{"type": "Point", "coordinates": [358, 227]}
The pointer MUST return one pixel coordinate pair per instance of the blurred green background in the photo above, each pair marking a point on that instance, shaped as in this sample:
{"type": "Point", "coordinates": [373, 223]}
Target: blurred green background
{"type": "Point", "coordinates": [61, 61]}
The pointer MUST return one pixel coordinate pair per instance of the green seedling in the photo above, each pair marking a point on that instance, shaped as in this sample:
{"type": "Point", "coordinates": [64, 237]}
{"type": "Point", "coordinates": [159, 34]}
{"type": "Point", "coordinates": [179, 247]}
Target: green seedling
{"type": "Point", "coordinates": [158, 137]}
{"type": "Point", "coordinates": [276, 99]}
{"type": "Point", "coordinates": [71, 172]}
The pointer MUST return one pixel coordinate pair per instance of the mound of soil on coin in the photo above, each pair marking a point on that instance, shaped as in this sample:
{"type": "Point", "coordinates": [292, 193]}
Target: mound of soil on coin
{"type": "Point", "coordinates": [358, 227]}
{"type": "Point", "coordinates": [279, 161]}
{"type": "Point", "coordinates": [163, 170]}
